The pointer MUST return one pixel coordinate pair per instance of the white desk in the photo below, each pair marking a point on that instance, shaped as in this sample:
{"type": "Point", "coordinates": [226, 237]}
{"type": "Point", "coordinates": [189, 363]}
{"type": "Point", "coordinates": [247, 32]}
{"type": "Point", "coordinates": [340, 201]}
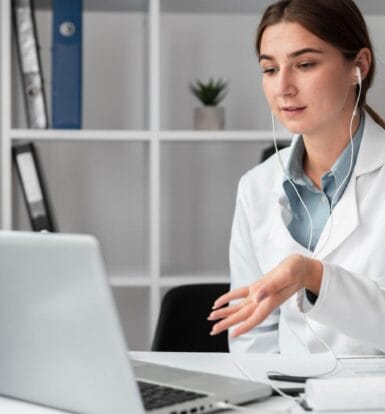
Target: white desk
{"type": "Point", "coordinates": [222, 364]}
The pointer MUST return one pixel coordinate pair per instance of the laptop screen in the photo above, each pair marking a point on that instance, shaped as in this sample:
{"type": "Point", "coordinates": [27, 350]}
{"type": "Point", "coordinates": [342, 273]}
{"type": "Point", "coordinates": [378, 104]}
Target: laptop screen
{"type": "Point", "coordinates": [62, 345]}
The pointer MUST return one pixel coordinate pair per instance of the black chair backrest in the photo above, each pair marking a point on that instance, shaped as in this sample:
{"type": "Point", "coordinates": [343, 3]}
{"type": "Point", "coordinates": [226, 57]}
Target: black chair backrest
{"type": "Point", "coordinates": [269, 151]}
{"type": "Point", "coordinates": [183, 325]}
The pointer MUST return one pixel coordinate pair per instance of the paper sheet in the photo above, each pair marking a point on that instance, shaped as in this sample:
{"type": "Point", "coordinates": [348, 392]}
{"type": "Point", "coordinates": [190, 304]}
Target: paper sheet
{"type": "Point", "coordinates": [364, 365]}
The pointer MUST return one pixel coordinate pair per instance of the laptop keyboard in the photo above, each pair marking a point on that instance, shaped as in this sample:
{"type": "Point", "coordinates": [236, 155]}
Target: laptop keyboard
{"type": "Point", "coordinates": [157, 396]}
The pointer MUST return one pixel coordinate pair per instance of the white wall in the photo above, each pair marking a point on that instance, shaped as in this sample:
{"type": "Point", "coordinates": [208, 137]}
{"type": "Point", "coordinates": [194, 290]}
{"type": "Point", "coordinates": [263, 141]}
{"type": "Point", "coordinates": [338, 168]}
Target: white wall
{"type": "Point", "coordinates": [196, 46]}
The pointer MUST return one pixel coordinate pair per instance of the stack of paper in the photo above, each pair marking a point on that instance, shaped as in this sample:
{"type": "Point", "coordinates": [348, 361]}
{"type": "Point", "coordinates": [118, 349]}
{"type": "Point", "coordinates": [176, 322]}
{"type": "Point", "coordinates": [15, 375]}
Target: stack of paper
{"type": "Point", "coordinates": [350, 393]}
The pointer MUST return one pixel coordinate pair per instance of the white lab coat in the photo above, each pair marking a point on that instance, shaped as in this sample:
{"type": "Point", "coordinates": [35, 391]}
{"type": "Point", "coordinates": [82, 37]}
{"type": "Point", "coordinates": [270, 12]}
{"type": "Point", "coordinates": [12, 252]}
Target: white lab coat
{"type": "Point", "coordinates": [349, 313]}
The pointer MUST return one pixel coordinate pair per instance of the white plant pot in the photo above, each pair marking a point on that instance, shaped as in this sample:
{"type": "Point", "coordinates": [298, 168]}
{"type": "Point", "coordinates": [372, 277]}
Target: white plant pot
{"type": "Point", "coordinates": [209, 117]}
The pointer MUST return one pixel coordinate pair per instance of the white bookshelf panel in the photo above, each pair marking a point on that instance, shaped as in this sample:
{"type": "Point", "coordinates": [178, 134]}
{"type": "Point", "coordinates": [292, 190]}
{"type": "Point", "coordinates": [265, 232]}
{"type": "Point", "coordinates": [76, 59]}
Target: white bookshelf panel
{"type": "Point", "coordinates": [79, 135]}
{"type": "Point", "coordinates": [101, 189]}
{"type": "Point", "coordinates": [132, 304]}
{"type": "Point", "coordinates": [103, 6]}
{"type": "Point", "coordinates": [185, 279]}
{"type": "Point", "coordinates": [263, 136]}
{"type": "Point", "coordinates": [115, 69]}
{"type": "Point", "coordinates": [198, 190]}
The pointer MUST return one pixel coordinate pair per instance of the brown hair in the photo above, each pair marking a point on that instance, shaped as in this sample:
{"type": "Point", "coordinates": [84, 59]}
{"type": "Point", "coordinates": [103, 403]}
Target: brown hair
{"type": "Point", "coordinates": [338, 22]}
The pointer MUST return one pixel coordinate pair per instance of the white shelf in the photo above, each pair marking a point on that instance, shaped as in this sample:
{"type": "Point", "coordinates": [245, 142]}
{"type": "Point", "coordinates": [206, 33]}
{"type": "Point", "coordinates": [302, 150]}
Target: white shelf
{"type": "Point", "coordinates": [253, 136]}
{"type": "Point", "coordinates": [79, 135]}
{"type": "Point", "coordinates": [197, 6]}
{"type": "Point", "coordinates": [123, 135]}
{"type": "Point", "coordinates": [103, 5]}
{"type": "Point", "coordinates": [176, 280]}
{"type": "Point", "coordinates": [167, 281]}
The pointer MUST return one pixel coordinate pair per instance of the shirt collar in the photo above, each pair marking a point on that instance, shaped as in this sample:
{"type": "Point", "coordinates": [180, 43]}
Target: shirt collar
{"type": "Point", "coordinates": [339, 169]}
{"type": "Point", "coordinates": [341, 166]}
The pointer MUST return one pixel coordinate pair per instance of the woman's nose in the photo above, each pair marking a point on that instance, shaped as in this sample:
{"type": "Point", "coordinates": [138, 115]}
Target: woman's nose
{"type": "Point", "coordinates": [286, 84]}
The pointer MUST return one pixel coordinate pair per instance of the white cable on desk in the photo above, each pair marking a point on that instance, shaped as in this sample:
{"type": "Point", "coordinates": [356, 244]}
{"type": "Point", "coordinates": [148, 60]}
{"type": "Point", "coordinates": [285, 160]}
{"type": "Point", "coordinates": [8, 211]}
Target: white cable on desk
{"type": "Point", "coordinates": [297, 400]}
{"type": "Point", "coordinates": [242, 409]}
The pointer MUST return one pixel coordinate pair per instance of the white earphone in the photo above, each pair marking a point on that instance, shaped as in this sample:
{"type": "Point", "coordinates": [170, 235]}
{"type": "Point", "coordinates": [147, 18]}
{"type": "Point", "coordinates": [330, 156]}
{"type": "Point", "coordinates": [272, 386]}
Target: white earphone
{"type": "Point", "coordinates": [358, 75]}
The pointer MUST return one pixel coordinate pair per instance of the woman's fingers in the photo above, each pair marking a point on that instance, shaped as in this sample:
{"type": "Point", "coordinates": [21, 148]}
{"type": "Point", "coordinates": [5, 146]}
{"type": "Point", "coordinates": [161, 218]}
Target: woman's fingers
{"type": "Point", "coordinates": [232, 295]}
{"type": "Point", "coordinates": [260, 313]}
{"type": "Point", "coordinates": [250, 313]}
{"type": "Point", "coordinates": [260, 298]}
{"type": "Point", "coordinates": [225, 312]}
{"type": "Point", "coordinates": [233, 319]}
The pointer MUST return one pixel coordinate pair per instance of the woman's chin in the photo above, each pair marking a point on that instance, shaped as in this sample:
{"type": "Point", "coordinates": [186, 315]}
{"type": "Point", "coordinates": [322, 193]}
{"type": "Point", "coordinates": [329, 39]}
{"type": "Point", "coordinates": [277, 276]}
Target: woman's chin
{"type": "Point", "coordinates": [289, 125]}
{"type": "Point", "coordinates": [293, 129]}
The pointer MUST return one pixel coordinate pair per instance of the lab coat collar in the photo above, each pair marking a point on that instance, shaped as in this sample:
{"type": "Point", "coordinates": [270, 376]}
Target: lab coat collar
{"type": "Point", "coordinates": [345, 214]}
{"type": "Point", "coordinates": [372, 151]}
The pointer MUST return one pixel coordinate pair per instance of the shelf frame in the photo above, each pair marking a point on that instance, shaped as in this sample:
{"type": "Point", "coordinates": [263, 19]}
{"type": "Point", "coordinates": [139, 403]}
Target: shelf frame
{"type": "Point", "coordinates": [154, 174]}
{"type": "Point", "coordinates": [5, 117]}
{"type": "Point", "coordinates": [150, 135]}
{"type": "Point", "coordinates": [79, 135]}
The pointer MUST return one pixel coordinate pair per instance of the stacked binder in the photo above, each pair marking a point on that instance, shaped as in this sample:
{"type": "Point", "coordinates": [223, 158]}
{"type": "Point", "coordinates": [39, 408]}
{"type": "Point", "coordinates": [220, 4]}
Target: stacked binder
{"type": "Point", "coordinates": [25, 155]}
{"type": "Point", "coordinates": [33, 186]}
{"type": "Point", "coordinates": [67, 64]}
{"type": "Point", "coordinates": [30, 65]}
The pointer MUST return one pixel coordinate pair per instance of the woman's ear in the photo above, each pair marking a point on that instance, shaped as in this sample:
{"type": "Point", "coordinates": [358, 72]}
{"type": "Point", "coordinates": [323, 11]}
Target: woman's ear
{"type": "Point", "coordinates": [363, 61]}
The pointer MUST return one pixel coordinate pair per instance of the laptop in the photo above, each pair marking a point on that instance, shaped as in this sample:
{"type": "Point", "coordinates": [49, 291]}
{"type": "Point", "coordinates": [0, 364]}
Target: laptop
{"type": "Point", "coordinates": [62, 345]}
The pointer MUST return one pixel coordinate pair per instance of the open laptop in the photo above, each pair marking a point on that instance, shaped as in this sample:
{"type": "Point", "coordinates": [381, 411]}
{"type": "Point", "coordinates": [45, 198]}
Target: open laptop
{"type": "Point", "coordinates": [61, 343]}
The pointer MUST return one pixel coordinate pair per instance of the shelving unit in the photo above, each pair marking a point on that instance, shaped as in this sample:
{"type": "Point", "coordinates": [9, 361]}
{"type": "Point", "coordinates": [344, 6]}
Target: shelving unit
{"type": "Point", "coordinates": [158, 195]}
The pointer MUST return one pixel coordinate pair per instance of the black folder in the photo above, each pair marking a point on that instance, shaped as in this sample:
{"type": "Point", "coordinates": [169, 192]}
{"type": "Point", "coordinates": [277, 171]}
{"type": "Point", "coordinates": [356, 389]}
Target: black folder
{"type": "Point", "coordinates": [33, 186]}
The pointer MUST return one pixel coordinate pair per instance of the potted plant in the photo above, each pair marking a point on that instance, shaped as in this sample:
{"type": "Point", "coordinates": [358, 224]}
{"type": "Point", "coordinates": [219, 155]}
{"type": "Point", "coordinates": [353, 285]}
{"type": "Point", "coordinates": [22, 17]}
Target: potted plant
{"type": "Point", "coordinates": [210, 94]}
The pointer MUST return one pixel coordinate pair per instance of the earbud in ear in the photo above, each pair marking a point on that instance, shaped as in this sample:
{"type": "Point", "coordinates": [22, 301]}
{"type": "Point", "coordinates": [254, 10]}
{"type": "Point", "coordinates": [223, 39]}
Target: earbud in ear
{"type": "Point", "coordinates": [358, 75]}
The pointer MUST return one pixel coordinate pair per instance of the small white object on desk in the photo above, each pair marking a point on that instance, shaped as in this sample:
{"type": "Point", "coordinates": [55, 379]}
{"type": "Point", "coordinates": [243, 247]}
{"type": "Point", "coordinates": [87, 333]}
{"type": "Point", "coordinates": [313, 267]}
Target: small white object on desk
{"type": "Point", "coordinates": [343, 394]}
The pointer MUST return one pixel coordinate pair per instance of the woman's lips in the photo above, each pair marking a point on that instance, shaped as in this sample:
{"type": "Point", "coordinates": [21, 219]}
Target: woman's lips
{"type": "Point", "coordinates": [293, 110]}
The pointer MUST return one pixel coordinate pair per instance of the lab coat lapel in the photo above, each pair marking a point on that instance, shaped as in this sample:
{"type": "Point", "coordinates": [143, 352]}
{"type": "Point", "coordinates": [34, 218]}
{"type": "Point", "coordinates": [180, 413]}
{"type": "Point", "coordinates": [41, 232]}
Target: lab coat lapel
{"type": "Point", "coordinates": [280, 232]}
{"type": "Point", "coordinates": [345, 217]}
{"type": "Point", "coordinates": [280, 243]}
{"type": "Point", "coordinates": [341, 224]}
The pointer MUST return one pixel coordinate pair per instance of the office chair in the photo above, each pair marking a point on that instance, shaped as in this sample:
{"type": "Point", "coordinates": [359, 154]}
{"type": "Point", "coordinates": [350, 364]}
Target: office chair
{"type": "Point", "coordinates": [183, 325]}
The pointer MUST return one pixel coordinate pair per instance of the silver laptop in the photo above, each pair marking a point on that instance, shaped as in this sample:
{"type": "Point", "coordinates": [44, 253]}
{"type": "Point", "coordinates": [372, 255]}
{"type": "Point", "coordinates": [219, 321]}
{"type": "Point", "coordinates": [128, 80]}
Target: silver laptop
{"type": "Point", "coordinates": [61, 343]}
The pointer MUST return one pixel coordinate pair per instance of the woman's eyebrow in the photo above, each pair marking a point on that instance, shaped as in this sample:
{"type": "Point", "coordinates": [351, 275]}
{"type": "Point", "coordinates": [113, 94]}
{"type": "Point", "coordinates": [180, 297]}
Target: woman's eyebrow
{"type": "Point", "coordinates": [296, 53]}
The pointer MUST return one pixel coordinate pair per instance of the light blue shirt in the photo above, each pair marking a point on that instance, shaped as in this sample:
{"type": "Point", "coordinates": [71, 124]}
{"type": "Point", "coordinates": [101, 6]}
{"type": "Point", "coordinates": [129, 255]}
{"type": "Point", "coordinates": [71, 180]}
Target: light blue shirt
{"type": "Point", "coordinates": [318, 202]}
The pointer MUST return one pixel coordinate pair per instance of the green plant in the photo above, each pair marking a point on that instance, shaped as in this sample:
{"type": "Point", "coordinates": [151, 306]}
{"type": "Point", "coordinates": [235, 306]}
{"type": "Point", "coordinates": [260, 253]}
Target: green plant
{"type": "Point", "coordinates": [210, 93]}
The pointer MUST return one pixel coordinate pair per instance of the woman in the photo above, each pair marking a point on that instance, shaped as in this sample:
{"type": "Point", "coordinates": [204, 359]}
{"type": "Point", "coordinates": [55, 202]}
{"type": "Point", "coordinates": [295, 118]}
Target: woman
{"type": "Point", "coordinates": [309, 226]}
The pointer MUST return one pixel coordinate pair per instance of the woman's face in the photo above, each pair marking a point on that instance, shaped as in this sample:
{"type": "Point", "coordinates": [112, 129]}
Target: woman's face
{"type": "Point", "coordinates": [308, 83]}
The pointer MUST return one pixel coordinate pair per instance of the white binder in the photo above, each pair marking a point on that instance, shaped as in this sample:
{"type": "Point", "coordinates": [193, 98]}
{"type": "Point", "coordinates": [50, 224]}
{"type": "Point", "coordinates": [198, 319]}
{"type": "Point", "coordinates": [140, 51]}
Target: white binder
{"type": "Point", "coordinates": [30, 65]}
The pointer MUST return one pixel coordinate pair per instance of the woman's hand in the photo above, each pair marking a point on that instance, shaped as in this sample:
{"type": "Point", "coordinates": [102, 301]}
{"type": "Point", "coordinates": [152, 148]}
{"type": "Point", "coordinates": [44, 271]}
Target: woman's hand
{"type": "Point", "coordinates": [261, 298]}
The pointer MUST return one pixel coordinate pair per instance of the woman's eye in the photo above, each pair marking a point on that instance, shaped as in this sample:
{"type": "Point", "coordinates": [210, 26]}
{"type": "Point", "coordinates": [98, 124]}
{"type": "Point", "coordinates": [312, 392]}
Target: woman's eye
{"type": "Point", "coordinates": [306, 65]}
{"type": "Point", "coordinates": [269, 71]}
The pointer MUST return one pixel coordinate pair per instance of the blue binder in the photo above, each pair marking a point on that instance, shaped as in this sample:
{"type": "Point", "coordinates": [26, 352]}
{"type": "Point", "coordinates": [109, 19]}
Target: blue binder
{"type": "Point", "coordinates": [67, 64]}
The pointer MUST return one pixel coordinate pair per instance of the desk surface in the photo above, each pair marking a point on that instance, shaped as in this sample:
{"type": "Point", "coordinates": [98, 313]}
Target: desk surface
{"type": "Point", "coordinates": [222, 364]}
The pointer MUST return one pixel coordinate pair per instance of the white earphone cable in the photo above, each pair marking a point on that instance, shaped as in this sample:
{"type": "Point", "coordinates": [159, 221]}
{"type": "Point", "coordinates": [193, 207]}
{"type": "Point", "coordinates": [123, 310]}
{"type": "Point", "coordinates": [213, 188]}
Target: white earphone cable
{"type": "Point", "coordinates": [291, 182]}
{"type": "Point", "coordinates": [298, 400]}
{"type": "Point", "coordinates": [330, 227]}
